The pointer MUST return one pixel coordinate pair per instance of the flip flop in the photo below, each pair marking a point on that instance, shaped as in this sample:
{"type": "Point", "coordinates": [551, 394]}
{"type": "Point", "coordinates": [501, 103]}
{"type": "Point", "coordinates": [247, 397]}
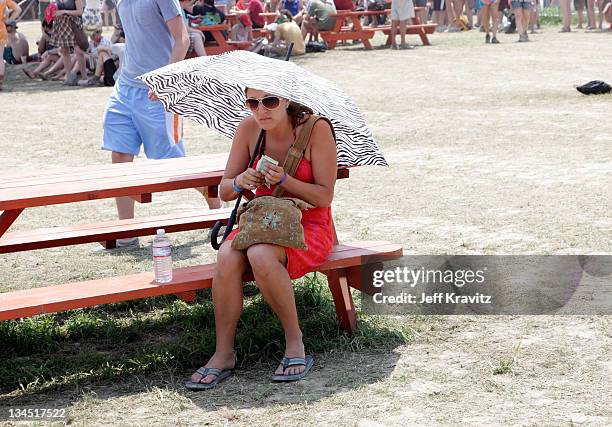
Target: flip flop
{"type": "Point", "coordinates": [221, 376]}
{"type": "Point", "coordinates": [28, 73]}
{"type": "Point", "coordinates": [294, 361]}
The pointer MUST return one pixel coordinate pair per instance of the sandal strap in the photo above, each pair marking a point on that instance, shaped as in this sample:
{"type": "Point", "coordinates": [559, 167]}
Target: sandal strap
{"type": "Point", "coordinates": [293, 361]}
{"type": "Point", "coordinates": [208, 371]}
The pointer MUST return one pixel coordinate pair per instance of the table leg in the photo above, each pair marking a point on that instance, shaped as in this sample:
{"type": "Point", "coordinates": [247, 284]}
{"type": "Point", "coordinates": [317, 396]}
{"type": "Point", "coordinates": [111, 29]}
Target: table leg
{"type": "Point", "coordinates": [422, 34]}
{"type": "Point", "coordinates": [8, 218]}
{"type": "Point", "coordinates": [143, 198]}
{"type": "Point", "coordinates": [337, 30]}
{"type": "Point", "coordinates": [359, 29]}
{"type": "Point", "coordinates": [213, 191]}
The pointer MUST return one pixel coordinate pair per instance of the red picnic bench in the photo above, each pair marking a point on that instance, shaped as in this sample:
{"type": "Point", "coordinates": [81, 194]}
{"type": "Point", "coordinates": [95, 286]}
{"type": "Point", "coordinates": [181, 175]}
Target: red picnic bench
{"type": "Point", "coordinates": [356, 31]}
{"type": "Point", "coordinates": [221, 43]}
{"type": "Point", "coordinates": [139, 180]}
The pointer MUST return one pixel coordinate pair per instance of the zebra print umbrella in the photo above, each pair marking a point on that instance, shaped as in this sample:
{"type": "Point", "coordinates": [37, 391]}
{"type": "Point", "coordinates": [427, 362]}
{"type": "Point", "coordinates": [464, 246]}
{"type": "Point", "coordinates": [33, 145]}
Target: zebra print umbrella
{"type": "Point", "coordinates": [211, 90]}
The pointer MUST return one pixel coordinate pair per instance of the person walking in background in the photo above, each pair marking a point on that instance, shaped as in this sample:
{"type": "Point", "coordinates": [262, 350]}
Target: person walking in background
{"type": "Point", "coordinates": [489, 20]}
{"type": "Point", "coordinates": [155, 36]}
{"type": "Point", "coordinates": [566, 15]}
{"type": "Point", "coordinates": [15, 11]}
{"type": "Point", "coordinates": [522, 13]}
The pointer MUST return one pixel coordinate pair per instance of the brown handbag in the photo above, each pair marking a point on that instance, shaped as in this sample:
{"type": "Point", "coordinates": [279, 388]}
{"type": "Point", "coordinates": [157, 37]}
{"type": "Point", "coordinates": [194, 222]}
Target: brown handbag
{"type": "Point", "coordinates": [275, 219]}
{"type": "Point", "coordinates": [80, 37]}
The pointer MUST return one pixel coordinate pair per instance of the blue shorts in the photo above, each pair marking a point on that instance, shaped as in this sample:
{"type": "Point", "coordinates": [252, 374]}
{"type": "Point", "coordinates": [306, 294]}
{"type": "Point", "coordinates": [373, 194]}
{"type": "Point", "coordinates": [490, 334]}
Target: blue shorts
{"type": "Point", "coordinates": [131, 120]}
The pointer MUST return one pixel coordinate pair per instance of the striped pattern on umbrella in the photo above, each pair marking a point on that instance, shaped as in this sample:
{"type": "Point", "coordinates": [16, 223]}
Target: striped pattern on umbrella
{"type": "Point", "coordinates": [211, 90]}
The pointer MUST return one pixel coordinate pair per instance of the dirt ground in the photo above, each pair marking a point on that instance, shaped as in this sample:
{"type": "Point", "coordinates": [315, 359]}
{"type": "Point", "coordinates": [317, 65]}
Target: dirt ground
{"type": "Point", "coordinates": [492, 151]}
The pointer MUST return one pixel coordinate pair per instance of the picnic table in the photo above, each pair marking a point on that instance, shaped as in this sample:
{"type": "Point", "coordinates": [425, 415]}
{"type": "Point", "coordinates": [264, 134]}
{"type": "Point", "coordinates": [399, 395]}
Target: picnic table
{"type": "Point", "coordinates": [138, 180]}
{"type": "Point", "coordinates": [221, 43]}
{"type": "Point", "coordinates": [344, 267]}
{"type": "Point", "coordinates": [357, 31]}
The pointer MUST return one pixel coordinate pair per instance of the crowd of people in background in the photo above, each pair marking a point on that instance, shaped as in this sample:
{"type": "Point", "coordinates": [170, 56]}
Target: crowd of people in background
{"type": "Point", "coordinates": [73, 49]}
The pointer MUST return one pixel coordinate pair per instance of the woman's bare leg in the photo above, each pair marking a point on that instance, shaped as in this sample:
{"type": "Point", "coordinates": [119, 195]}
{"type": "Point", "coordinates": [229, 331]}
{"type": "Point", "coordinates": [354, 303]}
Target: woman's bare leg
{"type": "Point", "coordinates": [227, 299]}
{"type": "Point", "coordinates": [66, 60]}
{"type": "Point", "coordinates": [485, 18]}
{"type": "Point", "coordinates": [268, 263]}
{"type": "Point", "coordinates": [198, 45]}
{"type": "Point", "coordinates": [80, 60]}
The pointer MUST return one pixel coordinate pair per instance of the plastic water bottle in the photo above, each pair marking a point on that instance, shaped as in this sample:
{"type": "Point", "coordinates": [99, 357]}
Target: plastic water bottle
{"type": "Point", "coordinates": [162, 257]}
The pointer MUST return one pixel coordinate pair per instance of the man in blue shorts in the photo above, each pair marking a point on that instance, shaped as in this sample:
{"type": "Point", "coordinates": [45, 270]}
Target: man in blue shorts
{"type": "Point", "coordinates": [155, 36]}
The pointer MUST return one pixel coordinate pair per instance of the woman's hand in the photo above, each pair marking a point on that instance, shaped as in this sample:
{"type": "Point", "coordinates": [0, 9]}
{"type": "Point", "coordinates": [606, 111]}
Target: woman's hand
{"type": "Point", "coordinates": [59, 13]}
{"type": "Point", "coordinates": [273, 173]}
{"type": "Point", "coordinates": [250, 179]}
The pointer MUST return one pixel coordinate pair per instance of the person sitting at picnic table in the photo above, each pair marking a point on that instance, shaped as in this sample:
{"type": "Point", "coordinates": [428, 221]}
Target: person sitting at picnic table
{"type": "Point", "coordinates": [211, 15]}
{"type": "Point", "coordinates": [253, 8]}
{"type": "Point", "coordinates": [293, 6]}
{"type": "Point", "coordinates": [242, 31]}
{"type": "Point", "coordinates": [317, 18]}
{"type": "Point", "coordinates": [273, 266]}
{"type": "Point", "coordinates": [15, 11]}
{"type": "Point", "coordinates": [286, 32]}
{"type": "Point", "coordinates": [344, 5]}
{"type": "Point", "coordinates": [17, 49]}
{"type": "Point", "coordinates": [196, 38]}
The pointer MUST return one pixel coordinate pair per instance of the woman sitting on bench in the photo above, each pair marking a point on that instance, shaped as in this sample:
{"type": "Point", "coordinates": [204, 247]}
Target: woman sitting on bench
{"type": "Point", "coordinates": [273, 266]}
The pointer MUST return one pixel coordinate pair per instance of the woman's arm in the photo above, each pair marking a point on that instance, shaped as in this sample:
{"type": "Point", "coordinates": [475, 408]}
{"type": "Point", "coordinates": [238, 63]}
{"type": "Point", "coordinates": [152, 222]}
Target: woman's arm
{"type": "Point", "coordinates": [15, 10]}
{"type": "Point", "coordinates": [323, 158]}
{"type": "Point", "coordinates": [238, 162]}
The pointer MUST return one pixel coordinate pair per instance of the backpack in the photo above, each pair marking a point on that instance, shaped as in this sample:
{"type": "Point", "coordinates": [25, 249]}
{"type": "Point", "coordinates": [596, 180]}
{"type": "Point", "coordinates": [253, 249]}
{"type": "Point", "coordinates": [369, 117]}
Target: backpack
{"type": "Point", "coordinates": [316, 47]}
{"type": "Point", "coordinates": [595, 87]}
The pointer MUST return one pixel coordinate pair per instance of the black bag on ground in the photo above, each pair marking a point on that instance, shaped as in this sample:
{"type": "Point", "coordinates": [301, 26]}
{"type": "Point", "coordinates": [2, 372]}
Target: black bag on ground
{"type": "Point", "coordinates": [595, 87]}
{"type": "Point", "coordinates": [110, 68]}
{"type": "Point", "coordinates": [315, 47]}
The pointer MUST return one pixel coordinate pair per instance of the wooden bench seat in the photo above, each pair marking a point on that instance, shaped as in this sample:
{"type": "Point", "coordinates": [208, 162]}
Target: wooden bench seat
{"type": "Point", "coordinates": [108, 232]}
{"type": "Point", "coordinates": [420, 29]}
{"type": "Point", "coordinates": [410, 28]}
{"type": "Point", "coordinates": [343, 268]}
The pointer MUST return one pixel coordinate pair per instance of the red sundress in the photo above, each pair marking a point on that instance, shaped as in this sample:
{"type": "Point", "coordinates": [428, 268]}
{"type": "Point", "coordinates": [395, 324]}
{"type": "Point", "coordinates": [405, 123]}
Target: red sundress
{"type": "Point", "coordinates": [318, 229]}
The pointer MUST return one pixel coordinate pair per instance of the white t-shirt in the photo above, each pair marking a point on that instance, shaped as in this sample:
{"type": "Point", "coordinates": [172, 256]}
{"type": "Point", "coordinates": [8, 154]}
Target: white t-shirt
{"type": "Point", "coordinates": [103, 42]}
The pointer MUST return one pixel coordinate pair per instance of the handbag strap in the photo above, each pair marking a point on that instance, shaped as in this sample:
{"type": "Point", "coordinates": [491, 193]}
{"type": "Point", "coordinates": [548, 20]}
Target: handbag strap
{"type": "Point", "coordinates": [297, 149]}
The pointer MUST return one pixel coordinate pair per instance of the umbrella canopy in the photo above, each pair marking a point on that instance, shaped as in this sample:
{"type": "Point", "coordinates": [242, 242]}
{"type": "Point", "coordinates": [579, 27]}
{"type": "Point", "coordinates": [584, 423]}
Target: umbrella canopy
{"type": "Point", "coordinates": [211, 90]}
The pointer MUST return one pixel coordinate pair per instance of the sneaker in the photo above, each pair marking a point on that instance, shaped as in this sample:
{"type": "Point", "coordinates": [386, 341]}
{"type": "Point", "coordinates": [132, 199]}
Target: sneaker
{"type": "Point", "coordinates": [454, 30]}
{"type": "Point", "coordinates": [394, 46]}
{"type": "Point", "coordinates": [526, 36]}
{"type": "Point", "coordinates": [488, 38]}
{"type": "Point", "coordinates": [91, 82]}
{"type": "Point", "coordinates": [441, 28]}
{"type": "Point", "coordinates": [405, 46]}
{"type": "Point", "coordinates": [494, 40]}
{"type": "Point", "coordinates": [72, 80]}
{"type": "Point", "coordinates": [565, 30]}
{"type": "Point", "coordinates": [522, 38]}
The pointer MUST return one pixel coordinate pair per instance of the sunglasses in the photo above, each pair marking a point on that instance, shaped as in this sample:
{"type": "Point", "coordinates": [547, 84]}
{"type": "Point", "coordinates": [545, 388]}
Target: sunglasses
{"type": "Point", "coordinates": [269, 102]}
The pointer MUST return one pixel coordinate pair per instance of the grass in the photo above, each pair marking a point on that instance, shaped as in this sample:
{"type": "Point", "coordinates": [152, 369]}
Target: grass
{"type": "Point", "coordinates": [167, 335]}
{"type": "Point", "coordinates": [507, 365]}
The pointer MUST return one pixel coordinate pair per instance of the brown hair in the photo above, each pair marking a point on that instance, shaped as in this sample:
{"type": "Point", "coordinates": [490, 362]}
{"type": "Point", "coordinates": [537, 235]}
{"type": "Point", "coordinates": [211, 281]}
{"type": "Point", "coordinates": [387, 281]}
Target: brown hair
{"type": "Point", "coordinates": [297, 113]}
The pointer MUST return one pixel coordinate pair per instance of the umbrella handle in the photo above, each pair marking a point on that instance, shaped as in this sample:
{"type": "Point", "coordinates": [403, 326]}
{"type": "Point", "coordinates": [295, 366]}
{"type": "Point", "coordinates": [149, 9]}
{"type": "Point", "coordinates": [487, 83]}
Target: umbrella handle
{"type": "Point", "coordinates": [214, 233]}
